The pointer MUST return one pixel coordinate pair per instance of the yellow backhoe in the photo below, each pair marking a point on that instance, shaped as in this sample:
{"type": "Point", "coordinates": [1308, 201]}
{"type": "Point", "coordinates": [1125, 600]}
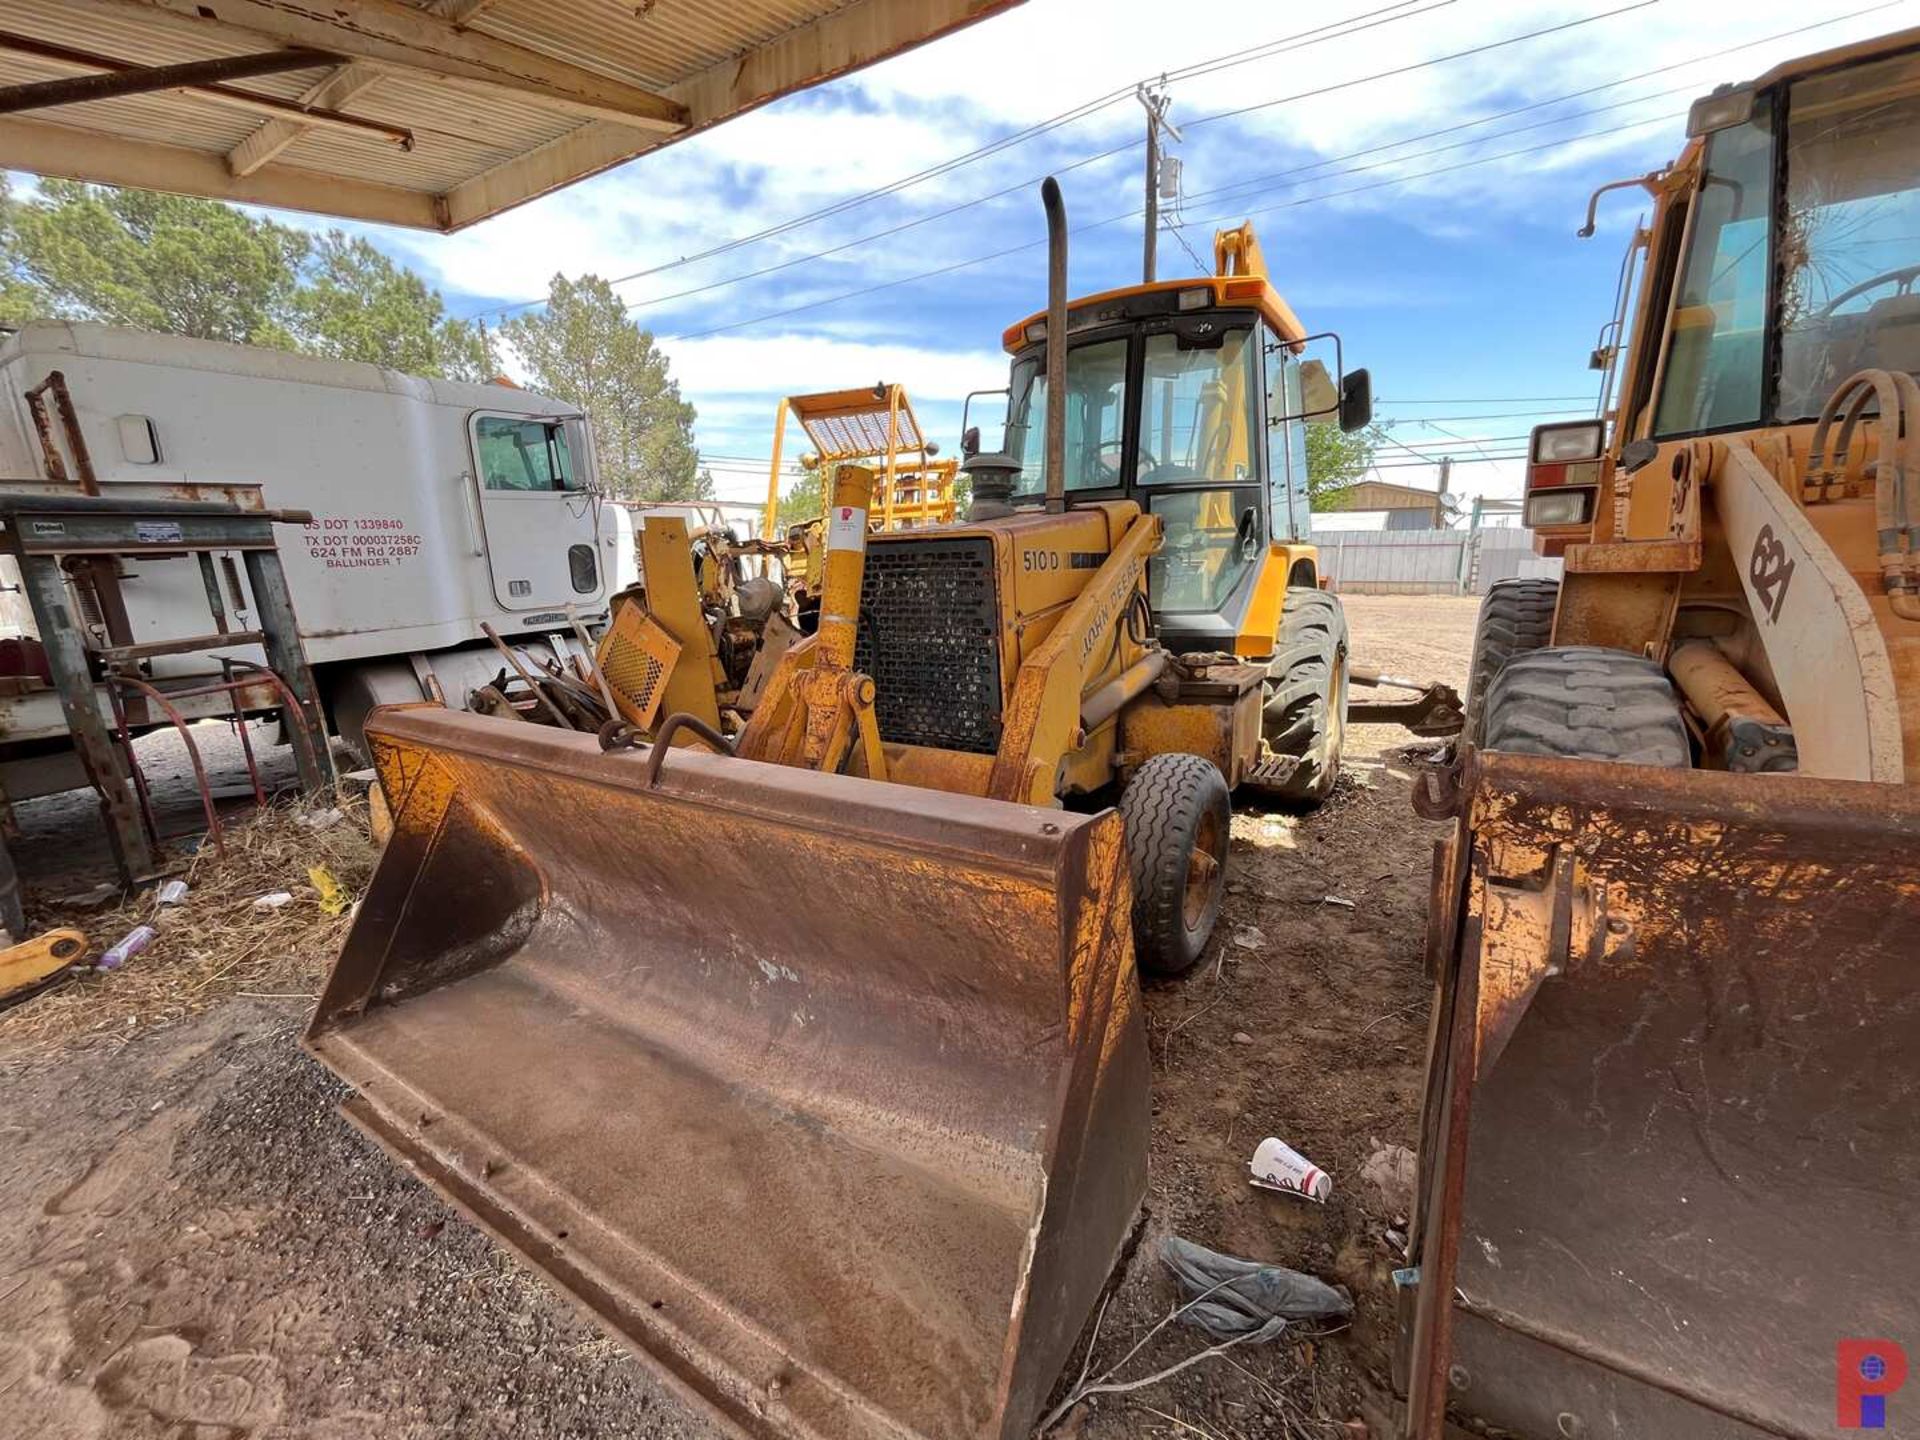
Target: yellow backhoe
{"type": "Point", "coordinates": [805, 1047]}
{"type": "Point", "coordinates": [1670, 1144]}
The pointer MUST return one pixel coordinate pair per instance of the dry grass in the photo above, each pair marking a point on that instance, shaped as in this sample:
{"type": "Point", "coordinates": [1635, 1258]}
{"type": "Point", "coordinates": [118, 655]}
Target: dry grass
{"type": "Point", "coordinates": [214, 945]}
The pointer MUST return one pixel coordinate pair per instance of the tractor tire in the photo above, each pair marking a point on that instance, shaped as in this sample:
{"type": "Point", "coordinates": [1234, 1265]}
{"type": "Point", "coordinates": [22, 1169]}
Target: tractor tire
{"type": "Point", "coordinates": [1177, 820]}
{"type": "Point", "coordinates": [1516, 616]}
{"type": "Point", "coordinates": [1582, 702]}
{"type": "Point", "coordinates": [1305, 714]}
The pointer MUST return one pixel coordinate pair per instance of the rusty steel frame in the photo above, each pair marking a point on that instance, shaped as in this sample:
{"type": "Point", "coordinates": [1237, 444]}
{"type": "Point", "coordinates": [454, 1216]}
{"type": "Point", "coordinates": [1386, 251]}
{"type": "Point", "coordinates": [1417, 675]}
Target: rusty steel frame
{"type": "Point", "coordinates": [43, 533]}
{"type": "Point", "coordinates": [314, 115]}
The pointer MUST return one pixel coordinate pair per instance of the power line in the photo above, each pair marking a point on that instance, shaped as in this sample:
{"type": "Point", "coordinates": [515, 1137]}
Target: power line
{"type": "Point", "coordinates": [1484, 400]}
{"type": "Point", "coordinates": [1287, 42]}
{"type": "Point", "coordinates": [955, 209]}
{"type": "Point", "coordinates": [1016, 249]}
{"type": "Point", "coordinates": [1111, 219]}
{"type": "Point", "coordinates": [1494, 415]}
{"type": "Point", "coordinates": [1332, 30]}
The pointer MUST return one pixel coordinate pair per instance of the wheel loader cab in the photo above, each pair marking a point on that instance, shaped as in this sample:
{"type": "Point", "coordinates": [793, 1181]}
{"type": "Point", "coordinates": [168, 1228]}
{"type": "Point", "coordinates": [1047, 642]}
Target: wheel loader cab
{"type": "Point", "coordinates": [1191, 399]}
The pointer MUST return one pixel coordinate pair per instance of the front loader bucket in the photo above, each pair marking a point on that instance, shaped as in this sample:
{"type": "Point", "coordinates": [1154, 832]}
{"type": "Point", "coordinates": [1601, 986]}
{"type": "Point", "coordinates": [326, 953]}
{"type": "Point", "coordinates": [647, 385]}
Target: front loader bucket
{"type": "Point", "coordinates": [829, 1096]}
{"type": "Point", "coordinates": [1672, 1132]}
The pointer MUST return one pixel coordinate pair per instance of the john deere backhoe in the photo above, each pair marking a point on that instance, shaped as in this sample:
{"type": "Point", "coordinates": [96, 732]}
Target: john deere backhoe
{"type": "Point", "coordinates": [1671, 1143]}
{"type": "Point", "coordinates": [808, 1055]}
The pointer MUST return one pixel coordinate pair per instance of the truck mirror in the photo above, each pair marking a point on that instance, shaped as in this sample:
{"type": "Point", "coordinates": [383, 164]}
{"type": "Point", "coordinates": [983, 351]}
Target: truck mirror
{"type": "Point", "coordinates": [970, 442]}
{"type": "Point", "coordinates": [1356, 401]}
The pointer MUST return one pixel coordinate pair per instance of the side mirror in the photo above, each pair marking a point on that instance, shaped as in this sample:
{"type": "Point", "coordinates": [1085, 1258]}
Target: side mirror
{"type": "Point", "coordinates": [970, 442]}
{"type": "Point", "coordinates": [1356, 401]}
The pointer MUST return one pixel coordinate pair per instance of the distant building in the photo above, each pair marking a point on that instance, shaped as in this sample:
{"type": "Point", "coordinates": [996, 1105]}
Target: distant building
{"type": "Point", "coordinates": [1381, 505]}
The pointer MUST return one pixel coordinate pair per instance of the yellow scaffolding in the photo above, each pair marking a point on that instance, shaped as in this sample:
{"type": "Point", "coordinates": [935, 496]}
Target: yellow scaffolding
{"type": "Point", "coordinates": [873, 426]}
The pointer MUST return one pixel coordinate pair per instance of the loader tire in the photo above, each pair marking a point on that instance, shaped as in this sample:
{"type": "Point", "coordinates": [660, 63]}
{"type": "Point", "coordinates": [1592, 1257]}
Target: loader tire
{"type": "Point", "coordinates": [1305, 715]}
{"type": "Point", "coordinates": [1516, 616]}
{"type": "Point", "coordinates": [1177, 820]}
{"type": "Point", "coordinates": [1582, 702]}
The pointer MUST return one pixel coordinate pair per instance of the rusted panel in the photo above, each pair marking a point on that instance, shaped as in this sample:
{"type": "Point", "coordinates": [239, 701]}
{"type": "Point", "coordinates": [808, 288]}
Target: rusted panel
{"type": "Point", "coordinates": [1636, 557]}
{"type": "Point", "coordinates": [1619, 611]}
{"type": "Point", "coordinates": [1690, 1168]}
{"type": "Point", "coordinates": [1150, 726]}
{"type": "Point", "coordinates": [829, 1096]}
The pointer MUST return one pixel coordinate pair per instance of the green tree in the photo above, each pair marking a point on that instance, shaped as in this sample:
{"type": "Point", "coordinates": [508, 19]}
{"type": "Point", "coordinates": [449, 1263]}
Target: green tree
{"type": "Point", "coordinates": [805, 499]}
{"type": "Point", "coordinates": [160, 262]}
{"type": "Point", "coordinates": [583, 348]}
{"type": "Point", "coordinates": [1336, 460]}
{"type": "Point", "coordinates": [200, 268]}
{"type": "Point", "coordinates": [356, 304]}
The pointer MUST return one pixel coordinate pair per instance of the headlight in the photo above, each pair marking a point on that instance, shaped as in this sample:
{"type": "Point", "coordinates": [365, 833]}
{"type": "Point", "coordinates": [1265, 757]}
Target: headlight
{"type": "Point", "coordinates": [1559, 444]}
{"type": "Point", "coordinates": [1546, 508]}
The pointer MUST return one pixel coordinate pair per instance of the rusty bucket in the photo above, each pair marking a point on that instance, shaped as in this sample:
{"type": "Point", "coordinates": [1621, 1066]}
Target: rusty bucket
{"type": "Point", "coordinates": [828, 1096]}
{"type": "Point", "coordinates": [1672, 1129]}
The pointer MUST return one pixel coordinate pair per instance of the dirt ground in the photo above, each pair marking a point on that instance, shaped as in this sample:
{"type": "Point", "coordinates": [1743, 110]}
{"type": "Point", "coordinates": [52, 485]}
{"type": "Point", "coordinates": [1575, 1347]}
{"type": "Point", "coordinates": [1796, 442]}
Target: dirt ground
{"type": "Point", "coordinates": [194, 1245]}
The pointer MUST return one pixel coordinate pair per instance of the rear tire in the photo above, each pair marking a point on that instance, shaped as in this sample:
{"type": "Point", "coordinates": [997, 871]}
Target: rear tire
{"type": "Point", "coordinates": [1516, 617]}
{"type": "Point", "coordinates": [1177, 819]}
{"type": "Point", "coordinates": [1582, 702]}
{"type": "Point", "coordinates": [1305, 715]}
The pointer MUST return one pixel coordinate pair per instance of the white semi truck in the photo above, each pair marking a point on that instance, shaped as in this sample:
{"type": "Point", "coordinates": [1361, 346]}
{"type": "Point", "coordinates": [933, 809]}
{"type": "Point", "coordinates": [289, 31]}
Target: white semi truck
{"type": "Point", "coordinates": [438, 506]}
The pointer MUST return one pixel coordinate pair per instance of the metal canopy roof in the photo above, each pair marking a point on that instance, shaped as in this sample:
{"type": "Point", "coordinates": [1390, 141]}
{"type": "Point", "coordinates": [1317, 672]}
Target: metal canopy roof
{"type": "Point", "coordinates": [430, 113]}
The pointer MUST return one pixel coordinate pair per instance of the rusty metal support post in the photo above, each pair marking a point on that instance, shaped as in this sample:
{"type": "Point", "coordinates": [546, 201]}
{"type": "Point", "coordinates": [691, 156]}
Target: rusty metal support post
{"type": "Point", "coordinates": [144, 80]}
{"type": "Point", "coordinates": [287, 658]}
{"type": "Point", "coordinates": [67, 659]}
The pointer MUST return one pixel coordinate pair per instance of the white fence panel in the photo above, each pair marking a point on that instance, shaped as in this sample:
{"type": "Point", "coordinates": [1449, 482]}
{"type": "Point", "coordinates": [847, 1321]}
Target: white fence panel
{"type": "Point", "coordinates": [1429, 562]}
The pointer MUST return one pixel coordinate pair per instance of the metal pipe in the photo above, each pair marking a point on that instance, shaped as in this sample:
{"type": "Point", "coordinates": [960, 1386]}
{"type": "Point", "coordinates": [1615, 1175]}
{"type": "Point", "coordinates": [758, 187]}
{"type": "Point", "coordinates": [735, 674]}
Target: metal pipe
{"type": "Point", "coordinates": [1106, 702]}
{"type": "Point", "coordinates": [145, 79]}
{"type": "Point", "coordinates": [526, 677]}
{"type": "Point", "coordinates": [1056, 441]}
{"type": "Point", "coordinates": [225, 94]}
{"type": "Point", "coordinates": [849, 494]}
{"type": "Point", "coordinates": [663, 742]}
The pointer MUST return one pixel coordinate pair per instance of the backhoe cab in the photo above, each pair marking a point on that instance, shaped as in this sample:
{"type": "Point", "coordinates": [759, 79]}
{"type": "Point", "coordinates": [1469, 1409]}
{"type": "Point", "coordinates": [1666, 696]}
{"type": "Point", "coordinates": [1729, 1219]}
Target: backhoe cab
{"type": "Point", "coordinates": [1190, 398]}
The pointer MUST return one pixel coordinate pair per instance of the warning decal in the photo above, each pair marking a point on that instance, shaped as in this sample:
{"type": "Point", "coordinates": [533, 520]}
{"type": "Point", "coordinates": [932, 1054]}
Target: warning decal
{"type": "Point", "coordinates": [846, 528]}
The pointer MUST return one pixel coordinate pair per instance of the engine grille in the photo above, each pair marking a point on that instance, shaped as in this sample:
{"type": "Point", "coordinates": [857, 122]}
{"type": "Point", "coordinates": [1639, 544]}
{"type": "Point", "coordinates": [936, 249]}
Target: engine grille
{"type": "Point", "coordinates": [930, 638]}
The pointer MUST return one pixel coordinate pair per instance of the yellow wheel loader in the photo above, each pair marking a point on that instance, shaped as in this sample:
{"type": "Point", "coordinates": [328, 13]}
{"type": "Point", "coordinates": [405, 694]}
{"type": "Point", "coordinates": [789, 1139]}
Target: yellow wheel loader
{"type": "Point", "coordinates": [1671, 1144]}
{"type": "Point", "coordinates": [808, 1056]}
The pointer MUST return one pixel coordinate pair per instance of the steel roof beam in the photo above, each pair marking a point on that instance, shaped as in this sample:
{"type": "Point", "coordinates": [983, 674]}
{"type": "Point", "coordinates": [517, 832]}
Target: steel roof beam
{"type": "Point", "coordinates": [390, 35]}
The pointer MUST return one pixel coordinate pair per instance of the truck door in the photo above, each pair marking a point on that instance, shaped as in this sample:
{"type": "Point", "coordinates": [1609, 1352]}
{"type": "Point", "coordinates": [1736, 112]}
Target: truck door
{"type": "Point", "coordinates": [538, 517]}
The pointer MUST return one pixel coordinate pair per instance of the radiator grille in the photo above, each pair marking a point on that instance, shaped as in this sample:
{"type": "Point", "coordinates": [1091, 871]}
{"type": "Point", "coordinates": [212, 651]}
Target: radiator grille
{"type": "Point", "coordinates": [930, 638]}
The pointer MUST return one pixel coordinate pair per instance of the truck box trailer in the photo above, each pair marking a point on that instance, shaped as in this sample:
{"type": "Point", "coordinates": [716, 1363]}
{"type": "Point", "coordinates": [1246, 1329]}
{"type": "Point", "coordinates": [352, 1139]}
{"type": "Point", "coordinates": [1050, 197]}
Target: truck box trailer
{"type": "Point", "coordinates": [438, 507]}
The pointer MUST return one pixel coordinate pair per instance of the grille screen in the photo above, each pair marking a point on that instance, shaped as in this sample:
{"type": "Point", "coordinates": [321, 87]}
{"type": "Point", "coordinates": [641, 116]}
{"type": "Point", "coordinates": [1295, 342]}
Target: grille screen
{"type": "Point", "coordinates": [930, 638]}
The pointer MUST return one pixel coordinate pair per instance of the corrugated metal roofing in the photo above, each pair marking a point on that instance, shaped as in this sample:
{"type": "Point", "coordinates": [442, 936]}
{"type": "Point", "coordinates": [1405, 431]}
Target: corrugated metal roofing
{"type": "Point", "coordinates": [503, 99]}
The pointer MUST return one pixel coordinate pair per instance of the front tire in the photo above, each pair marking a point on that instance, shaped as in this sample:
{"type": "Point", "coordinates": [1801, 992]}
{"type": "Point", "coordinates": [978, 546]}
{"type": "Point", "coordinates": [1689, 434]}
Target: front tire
{"type": "Point", "coordinates": [1304, 720]}
{"type": "Point", "coordinates": [1177, 820]}
{"type": "Point", "coordinates": [1583, 702]}
{"type": "Point", "coordinates": [1515, 619]}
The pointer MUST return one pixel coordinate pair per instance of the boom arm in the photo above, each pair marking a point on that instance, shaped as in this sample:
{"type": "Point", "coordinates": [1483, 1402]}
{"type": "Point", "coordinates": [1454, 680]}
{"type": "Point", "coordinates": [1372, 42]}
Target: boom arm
{"type": "Point", "coordinates": [1044, 715]}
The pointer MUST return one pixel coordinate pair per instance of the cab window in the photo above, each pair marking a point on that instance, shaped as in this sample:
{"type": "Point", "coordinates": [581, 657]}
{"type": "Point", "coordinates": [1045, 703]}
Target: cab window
{"type": "Point", "coordinates": [1096, 419]}
{"type": "Point", "coordinates": [1199, 399]}
{"type": "Point", "coordinates": [516, 453]}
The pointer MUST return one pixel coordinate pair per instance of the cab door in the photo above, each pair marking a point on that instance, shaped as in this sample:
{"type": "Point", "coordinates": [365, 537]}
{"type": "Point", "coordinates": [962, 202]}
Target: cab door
{"type": "Point", "coordinates": [539, 518]}
{"type": "Point", "coordinates": [1199, 464]}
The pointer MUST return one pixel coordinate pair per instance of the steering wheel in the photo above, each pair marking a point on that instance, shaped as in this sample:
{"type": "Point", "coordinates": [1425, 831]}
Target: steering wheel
{"type": "Point", "coordinates": [1902, 277]}
{"type": "Point", "coordinates": [1110, 469]}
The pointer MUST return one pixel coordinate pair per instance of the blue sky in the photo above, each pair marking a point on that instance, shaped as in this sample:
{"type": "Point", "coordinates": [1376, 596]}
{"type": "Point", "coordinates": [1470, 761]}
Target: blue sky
{"type": "Point", "coordinates": [1455, 286]}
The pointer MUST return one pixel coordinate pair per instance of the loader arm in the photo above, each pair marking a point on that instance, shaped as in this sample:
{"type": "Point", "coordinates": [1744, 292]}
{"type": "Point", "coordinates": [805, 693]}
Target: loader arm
{"type": "Point", "coordinates": [1043, 715]}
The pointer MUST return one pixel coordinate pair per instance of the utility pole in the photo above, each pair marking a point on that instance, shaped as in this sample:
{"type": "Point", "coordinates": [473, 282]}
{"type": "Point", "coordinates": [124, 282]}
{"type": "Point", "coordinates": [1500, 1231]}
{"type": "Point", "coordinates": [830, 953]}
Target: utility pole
{"type": "Point", "coordinates": [1155, 103]}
